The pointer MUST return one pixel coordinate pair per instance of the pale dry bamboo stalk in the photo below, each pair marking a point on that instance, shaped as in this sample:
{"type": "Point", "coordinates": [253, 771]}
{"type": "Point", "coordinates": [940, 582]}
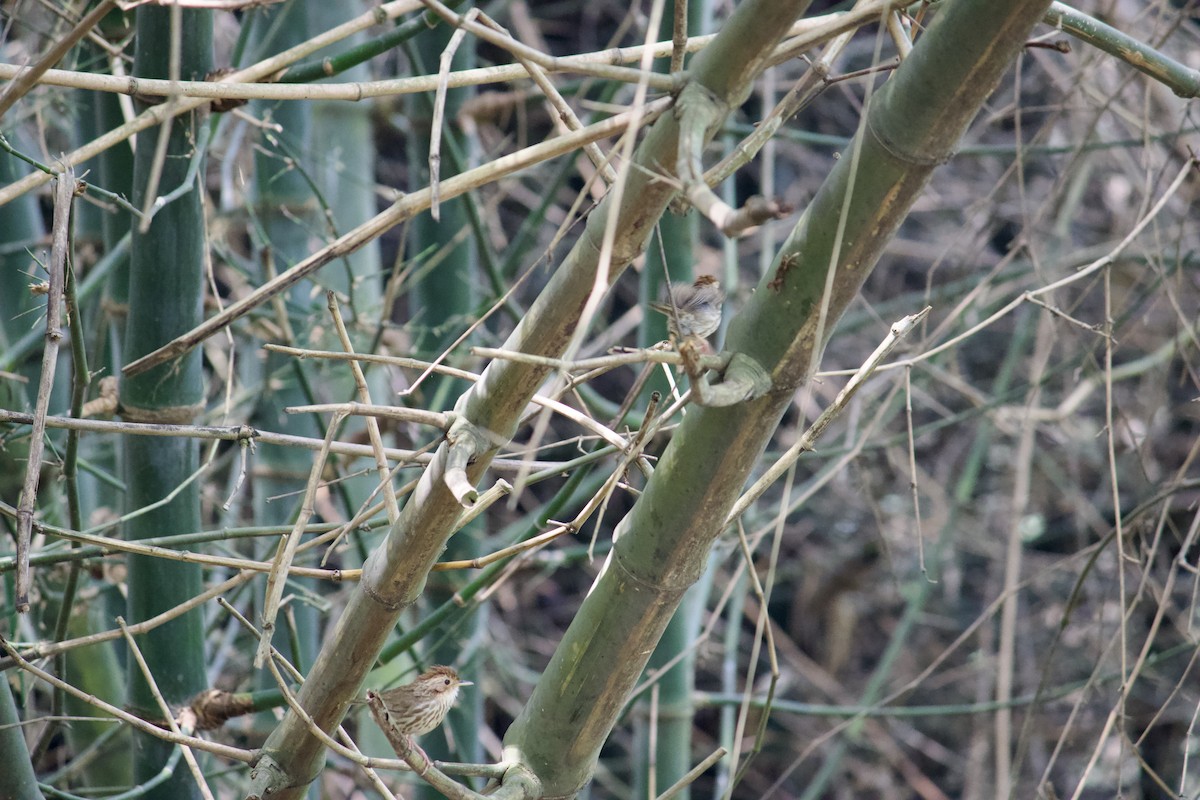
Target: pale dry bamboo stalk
{"type": "Point", "coordinates": [156, 115]}
{"type": "Point", "coordinates": [364, 394]}
{"type": "Point", "coordinates": [286, 550]}
{"type": "Point", "coordinates": [406, 207]}
{"type": "Point", "coordinates": [63, 197]}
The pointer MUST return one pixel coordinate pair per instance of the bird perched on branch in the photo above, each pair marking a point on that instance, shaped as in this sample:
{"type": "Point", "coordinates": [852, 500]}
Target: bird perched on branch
{"type": "Point", "coordinates": [693, 309]}
{"type": "Point", "coordinates": [415, 708]}
{"type": "Point", "coordinates": [419, 707]}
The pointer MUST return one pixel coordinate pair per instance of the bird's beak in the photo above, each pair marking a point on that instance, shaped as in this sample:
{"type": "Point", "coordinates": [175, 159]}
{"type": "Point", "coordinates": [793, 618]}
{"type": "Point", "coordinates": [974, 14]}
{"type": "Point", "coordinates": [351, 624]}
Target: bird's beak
{"type": "Point", "coordinates": [466, 683]}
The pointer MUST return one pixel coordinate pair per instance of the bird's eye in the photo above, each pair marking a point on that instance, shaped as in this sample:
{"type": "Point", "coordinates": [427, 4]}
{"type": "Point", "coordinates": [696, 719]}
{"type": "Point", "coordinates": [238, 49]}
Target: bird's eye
{"type": "Point", "coordinates": [446, 681]}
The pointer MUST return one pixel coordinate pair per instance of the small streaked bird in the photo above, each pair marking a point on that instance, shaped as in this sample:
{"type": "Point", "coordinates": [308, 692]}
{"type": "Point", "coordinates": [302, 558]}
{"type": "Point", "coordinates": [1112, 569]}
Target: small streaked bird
{"type": "Point", "coordinates": [419, 707]}
{"type": "Point", "coordinates": [696, 309]}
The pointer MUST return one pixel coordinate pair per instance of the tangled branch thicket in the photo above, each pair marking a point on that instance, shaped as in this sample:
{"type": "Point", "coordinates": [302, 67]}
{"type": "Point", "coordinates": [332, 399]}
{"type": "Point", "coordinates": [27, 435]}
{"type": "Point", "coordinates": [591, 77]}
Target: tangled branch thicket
{"type": "Point", "coordinates": [982, 580]}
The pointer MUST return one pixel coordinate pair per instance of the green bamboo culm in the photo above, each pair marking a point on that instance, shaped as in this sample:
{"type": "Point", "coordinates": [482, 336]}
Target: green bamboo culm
{"type": "Point", "coordinates": [913, 124]}
{"type": "Point", "coordinates": [672, 254]}
{"type": "Point", "coordinates": [17, 779]}
{"type": "Point", "coordinates": [166, 293]}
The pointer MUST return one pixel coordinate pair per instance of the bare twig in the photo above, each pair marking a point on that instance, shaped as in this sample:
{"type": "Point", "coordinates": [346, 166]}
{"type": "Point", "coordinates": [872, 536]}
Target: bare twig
{"type": "Point", "coordinates": [210, 5]}
{"type": "Point", "coordinates": [506, 42]}
{"type": "Point", "coordinates": [762, 626]}
{"type": "Point", "coordinates": [692, 774]}
{"type": "Point", "coordinates": [600, 499]}
{"type": "Point", "coordinates": [47, 649]}
{"type": "Point", "coordinates": [912, 470]}
{"type": "Point", "coordinates": [564, 116]}
{"type": "Point", "coordinates": [364, 395]}
{"type": "Point", "coordinates": [898, 30]}
{"type": "Point", "coordinates": [63, 197]}
{"type": "Point", "coordinates": [643, 356]}
{"type": "Point", "coordinates": [808, 32]}
{"type": "Point", "coordinates": [439, 115]}
{"type": "Point", "coordinates": [175, 46]}
{"type": "Point", "coordinates": [155, 115]}
{"type": "Point", "coordinates": [216, 748]}
{"type": "Point", "coordinates": [365, 512]}
{"type": "Point", "coordinates": [584, 421]}
{"type": "Point", "coordinates": [420, 416]}
{"type": "Point", "coordinates": [167, 714]}
{"type": "Point", "coordinates": [110, 545]}
{"type": "Point", "coordinates": [243, 433]}
{"type": "Point", "coordinates": [287, 548]}
{"type": "Point", "coordinates": [805, 442]}
{"type": "Point", "coordinates": [404, 208]}
{"type": "Point", "coordinates": [1006, 645]}
{"type": "Point", "coordinates": [27, 77]}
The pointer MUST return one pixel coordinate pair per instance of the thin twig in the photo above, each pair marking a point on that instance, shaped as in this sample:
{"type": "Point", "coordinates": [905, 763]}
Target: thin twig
{"type": "Point", "coordinates": [210, 5]}
{"type": "Point", "coordinates": [364, 395]}
{"type": "Point", "coordinates": [692, 774]}
{"type": "Point", "coordinates": [420, 416]}
{"type": "Point", "coordinates": [365, 512]}
{"type": "Point", "coordinates": [600, 499]}
{"type": "Point", "coordinates": [28, 77]}
{"type": "Point", "coordinates": [762, 629]}
{"type": "Point", "coordinates": [244, 433]}
{"type": "Point", "coordinates": [608, 362]}
{"type": "Point", "coordinates": [216, 748]}
{"type": "Point", "coordinates": [188, 184]}
{"type": "Point", "coordinates": [564, 117]}
{"type": "Point", "coordinates": [912, 471]}
{"type": "Point", "coordinates": [91, 188]}
{"type": "Point", "coordinates": [407, 206]}
{"type": "Point", "coordinates": [109, 545]}
{"type": "Point", "coordinates": [439, 115]}
{"type": "Point", "coordinates": [1023, 467]}
{"type": "Point", "coordinates": [47, 649]}
{"type": "Point", "coordinates": [809, 32]}
{"type": "Point", "coordinates": [632, 75]}
{"type": "Point", "coordinates": [63, 197]}
{"type": "Point", "coordinates": [168, 715]}
{"type": "Point", "coordinates": [897, 29]}
{"type": "Point", "coordinates": [174, 58]}
{"type": "Point", "coordinates": [287, 548]}
{"type": "Point", "coordinates": [155, 115]}
{"type": "Point", "coordinates": [805, 442]}
{"type": "Point", "coordinates": [584, 421]}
